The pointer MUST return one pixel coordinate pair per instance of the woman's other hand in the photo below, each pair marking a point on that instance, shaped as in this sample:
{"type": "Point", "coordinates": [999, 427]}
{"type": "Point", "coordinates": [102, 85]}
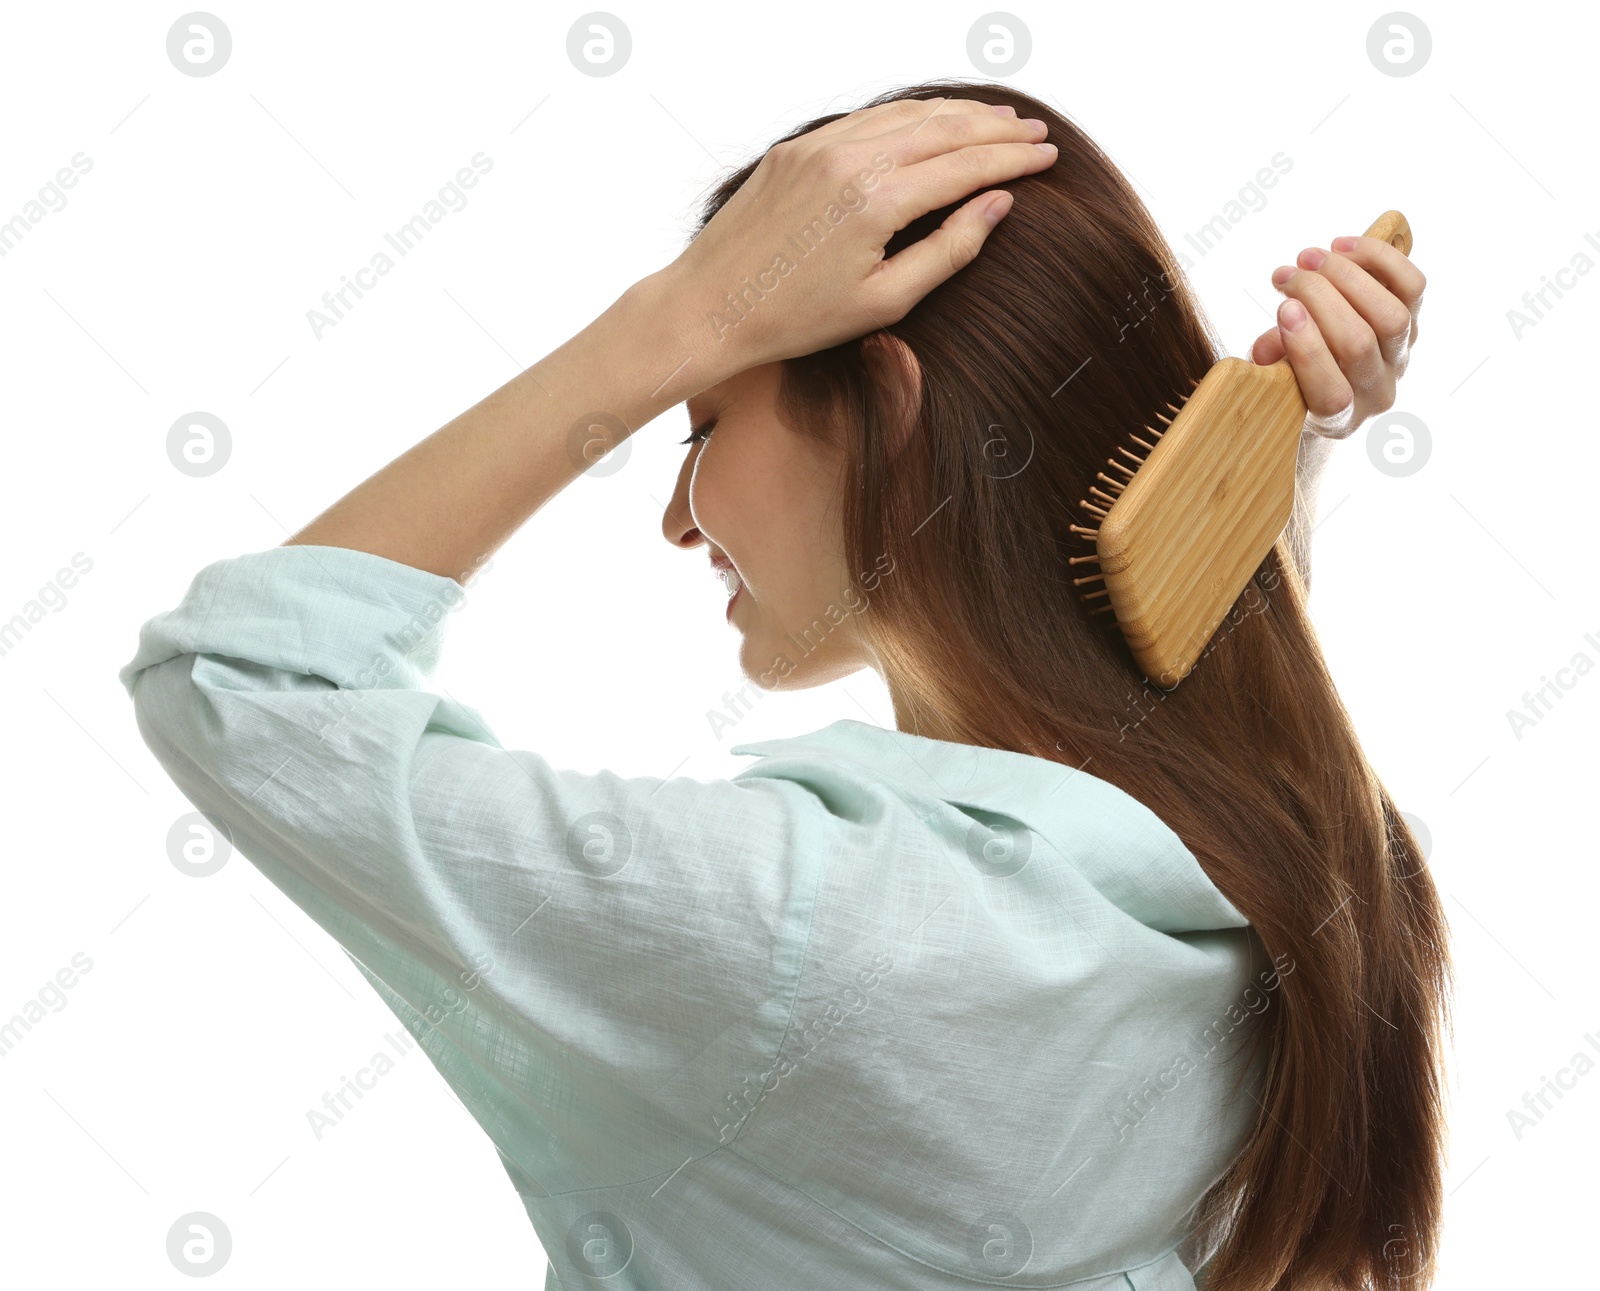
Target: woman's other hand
{"type": "Point", "coordinates": [1347, 325]}
{"type": "Point", "coordinates": [793, 263]}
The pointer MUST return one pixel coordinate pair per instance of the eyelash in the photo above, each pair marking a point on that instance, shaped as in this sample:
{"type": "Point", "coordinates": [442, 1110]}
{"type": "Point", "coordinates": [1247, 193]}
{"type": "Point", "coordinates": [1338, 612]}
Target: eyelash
{"type": "Point", "coordinates": [700, 432]}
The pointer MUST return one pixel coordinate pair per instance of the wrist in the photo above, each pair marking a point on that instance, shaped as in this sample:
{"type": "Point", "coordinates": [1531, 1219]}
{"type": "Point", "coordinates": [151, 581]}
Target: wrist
{"type": "Point", "coordinates": [616, 375]}
{"type": "Point", "coordinates": [665, 312]}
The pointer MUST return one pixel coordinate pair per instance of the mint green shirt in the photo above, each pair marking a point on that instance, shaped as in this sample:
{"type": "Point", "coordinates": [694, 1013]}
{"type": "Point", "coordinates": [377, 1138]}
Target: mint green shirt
{"type": "Point", "coordinates": [880, 1011]}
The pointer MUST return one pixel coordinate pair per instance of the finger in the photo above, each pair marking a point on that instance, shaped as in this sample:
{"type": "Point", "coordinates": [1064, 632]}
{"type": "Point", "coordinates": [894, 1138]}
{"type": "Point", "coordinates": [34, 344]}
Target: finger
{"type": "Point", "coordinates": [913, 111]}
{"type": "Point", "coordinates": [1389, 265]}
{"type": "Point", "coordinates": [1346, 334]}
{"type": "Point", "coordinates": [1330, 402]}
{"type": "Point", "coordinates": [903, 279]}
{"type": "Point", "coordinates": [846, 122]}
{"type": "Point", "coordinates": [1268, 347]}
{"type": "Point", "coordinates": [948, 177]}
{"type": "Point", "coordinates": [921, 138]}
{"type": "Point", "coordinates": [1385, 313]}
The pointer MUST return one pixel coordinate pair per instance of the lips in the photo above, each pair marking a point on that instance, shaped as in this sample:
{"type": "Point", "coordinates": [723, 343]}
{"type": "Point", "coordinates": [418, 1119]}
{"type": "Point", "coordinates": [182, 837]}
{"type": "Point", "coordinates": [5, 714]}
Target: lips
{"type": "Point", "coordinates": [729, 575]}
{"type": "Point", "coordinates": [723, 567]}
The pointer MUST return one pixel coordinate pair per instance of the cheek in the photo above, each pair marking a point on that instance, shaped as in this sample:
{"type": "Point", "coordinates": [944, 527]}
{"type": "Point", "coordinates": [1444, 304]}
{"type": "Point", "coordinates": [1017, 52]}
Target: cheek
{"type": "Point", "coordinates": [718, 491]}
{"type": "Point", "coordinates": [756, 505]}
{"type": "Point", "coordinates": [739, 491]}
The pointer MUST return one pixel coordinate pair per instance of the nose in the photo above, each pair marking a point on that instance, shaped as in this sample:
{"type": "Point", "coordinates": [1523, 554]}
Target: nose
{"type": "Point", "coordinates": [677, 522]}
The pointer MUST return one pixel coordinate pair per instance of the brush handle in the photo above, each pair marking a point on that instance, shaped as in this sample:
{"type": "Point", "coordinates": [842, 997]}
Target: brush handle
{"type": "Point", "coordinates": [1391, 227]}
{"type": "Point", "coordinates": [1215, 492]}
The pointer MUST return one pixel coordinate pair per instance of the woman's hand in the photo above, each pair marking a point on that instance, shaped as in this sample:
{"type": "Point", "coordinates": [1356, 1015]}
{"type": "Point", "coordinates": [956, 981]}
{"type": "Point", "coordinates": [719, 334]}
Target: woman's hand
{"type": "Point", "coordinates": [1347, 326]}
{"type": "Point", "coordinates": [758, 290]}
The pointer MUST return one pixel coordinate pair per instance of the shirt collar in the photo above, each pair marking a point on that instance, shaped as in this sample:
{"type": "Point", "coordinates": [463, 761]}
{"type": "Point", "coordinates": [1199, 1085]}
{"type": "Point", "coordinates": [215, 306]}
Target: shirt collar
{"type": "Point", "coordinates": [1127, 851]}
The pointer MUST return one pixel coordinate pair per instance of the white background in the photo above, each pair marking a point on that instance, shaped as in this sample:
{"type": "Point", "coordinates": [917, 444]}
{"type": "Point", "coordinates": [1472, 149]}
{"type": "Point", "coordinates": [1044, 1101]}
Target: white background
{"type": "Point", "coordinates": [219, 209]}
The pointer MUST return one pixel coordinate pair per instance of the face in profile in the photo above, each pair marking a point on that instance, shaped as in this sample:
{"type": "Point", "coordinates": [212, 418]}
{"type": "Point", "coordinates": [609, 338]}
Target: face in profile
{"type": "Point", "coordinates": [762, 501]}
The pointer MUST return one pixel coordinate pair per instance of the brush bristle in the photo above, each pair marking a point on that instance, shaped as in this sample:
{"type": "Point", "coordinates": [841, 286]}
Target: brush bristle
{"type": "Point", "coordinates": [1098, 502]}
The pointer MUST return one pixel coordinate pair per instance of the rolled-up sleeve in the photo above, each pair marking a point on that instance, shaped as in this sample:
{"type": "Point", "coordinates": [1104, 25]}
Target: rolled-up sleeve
{"type": "Point", "coordinates": [591, 959]}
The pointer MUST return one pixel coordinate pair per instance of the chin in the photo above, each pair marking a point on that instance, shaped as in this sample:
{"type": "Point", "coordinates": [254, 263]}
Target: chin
{"type": "Point", "coordinates": [774, 661]}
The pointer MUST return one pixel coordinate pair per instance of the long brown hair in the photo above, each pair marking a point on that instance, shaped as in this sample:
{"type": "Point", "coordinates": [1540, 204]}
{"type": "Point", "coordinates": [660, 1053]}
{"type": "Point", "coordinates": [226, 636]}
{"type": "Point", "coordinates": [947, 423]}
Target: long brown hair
{"type": "Point", "coordinates": [1074, 327]}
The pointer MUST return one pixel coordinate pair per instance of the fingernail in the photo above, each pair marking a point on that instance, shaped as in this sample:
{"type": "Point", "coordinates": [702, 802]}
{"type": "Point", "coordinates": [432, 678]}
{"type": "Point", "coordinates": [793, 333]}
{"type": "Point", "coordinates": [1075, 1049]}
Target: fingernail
{"type": "Point", "coordinates": [1312, 258]}
{"type": "Point", "coordinates": [1343, 244]}
{"type": "Point", "coordinates": [1282, 275]}
{"type": "Point", "coordinates": [1004, 109]}
{"type": "Point", "coordinates": [1046, 147]}
{"type": "Point", "coordinates": [996, 209]}
{"type": "Point", "coordinates": [1292, 315]}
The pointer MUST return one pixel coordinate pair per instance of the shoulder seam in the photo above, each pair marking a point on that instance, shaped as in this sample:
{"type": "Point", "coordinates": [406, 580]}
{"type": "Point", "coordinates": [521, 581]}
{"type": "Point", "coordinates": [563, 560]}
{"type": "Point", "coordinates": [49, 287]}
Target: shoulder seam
{"type": "Point", "coordinates": [794, 991]}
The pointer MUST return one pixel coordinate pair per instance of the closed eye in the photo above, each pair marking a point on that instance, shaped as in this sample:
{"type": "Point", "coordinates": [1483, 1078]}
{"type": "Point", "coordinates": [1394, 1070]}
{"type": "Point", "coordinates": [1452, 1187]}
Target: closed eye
{"type": "Point", "coordinates": [700, 432]}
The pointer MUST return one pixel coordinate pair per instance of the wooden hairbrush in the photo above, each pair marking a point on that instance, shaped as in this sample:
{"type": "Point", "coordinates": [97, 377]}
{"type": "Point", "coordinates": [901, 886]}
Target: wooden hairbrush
{"type": "Point", "coordinates": [1185, 527]}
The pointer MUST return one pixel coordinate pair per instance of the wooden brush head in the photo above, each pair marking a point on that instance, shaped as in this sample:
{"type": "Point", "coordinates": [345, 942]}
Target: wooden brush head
{"type": "Point", "coordinates": [1205, 506]}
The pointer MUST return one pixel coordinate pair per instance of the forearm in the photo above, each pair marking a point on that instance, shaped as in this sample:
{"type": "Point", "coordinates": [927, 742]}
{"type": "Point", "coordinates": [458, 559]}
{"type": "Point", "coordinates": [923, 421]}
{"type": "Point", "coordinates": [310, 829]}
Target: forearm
{"type": "Point", "coordinates": [1312, 458]}
{"type": "Point", "coordinates": [450, 501]}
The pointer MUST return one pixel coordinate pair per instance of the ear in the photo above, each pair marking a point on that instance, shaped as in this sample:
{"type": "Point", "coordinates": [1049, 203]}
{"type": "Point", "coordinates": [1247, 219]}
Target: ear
{"type": "Point", "coordinates": [894, 368]}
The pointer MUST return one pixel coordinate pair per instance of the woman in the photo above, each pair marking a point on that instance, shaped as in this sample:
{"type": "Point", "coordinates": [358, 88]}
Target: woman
{"type": "Point", "coordinates": [1064, 980]}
